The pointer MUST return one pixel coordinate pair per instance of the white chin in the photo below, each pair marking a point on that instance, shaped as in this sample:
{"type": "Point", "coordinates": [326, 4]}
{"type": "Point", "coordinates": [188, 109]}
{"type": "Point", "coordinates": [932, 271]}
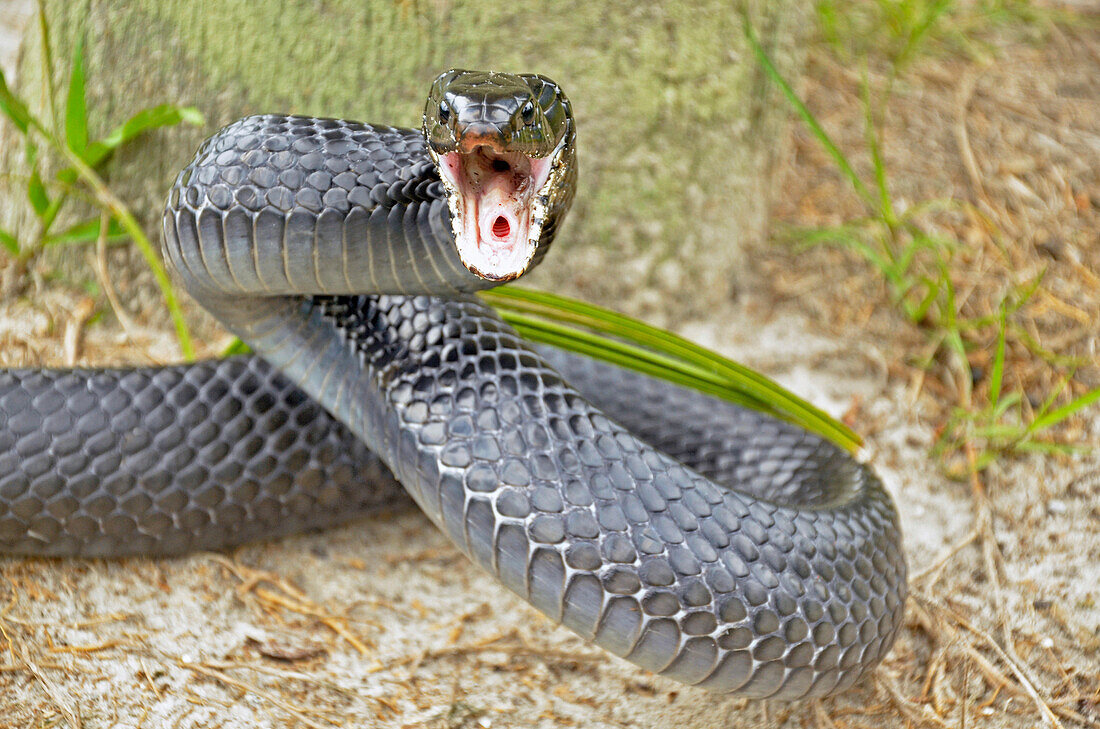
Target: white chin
{"type": "Point", "coordinates": [495, 261]}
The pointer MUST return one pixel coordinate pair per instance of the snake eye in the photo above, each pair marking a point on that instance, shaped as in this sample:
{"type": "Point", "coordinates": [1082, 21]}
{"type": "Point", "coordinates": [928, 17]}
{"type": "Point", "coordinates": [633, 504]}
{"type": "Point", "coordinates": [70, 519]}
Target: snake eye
{"type": "Point", "coordinates": [528, 113]}
{"type": "Point", "coordinates": [444, 112]}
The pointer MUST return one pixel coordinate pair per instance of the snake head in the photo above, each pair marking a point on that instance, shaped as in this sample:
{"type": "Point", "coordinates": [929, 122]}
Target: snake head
{"type": "Point", "coordinates": [503, 145]}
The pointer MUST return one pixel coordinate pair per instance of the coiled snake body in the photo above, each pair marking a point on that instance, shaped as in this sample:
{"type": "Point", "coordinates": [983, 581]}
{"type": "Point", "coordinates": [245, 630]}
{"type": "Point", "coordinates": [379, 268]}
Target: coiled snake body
{"type": "Point", "coordinates": [697, 539]}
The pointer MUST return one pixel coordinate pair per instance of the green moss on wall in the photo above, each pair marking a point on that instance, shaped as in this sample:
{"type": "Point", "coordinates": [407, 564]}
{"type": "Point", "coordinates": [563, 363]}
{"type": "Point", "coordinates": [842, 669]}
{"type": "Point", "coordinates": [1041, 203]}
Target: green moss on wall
{"type": "Point", "coordinates": [676, 130]}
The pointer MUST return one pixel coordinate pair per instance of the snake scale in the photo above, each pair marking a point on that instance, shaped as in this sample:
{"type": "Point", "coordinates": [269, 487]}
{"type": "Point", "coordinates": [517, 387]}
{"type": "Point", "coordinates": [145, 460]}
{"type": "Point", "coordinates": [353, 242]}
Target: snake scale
{"type": "Point", "coordinates": [706, 542]}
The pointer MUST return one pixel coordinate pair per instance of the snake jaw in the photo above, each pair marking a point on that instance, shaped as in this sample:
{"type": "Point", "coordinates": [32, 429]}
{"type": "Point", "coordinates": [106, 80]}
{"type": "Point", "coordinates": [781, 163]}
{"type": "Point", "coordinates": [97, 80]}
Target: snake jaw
{"type": "Point", "coordinates": [497, 199]}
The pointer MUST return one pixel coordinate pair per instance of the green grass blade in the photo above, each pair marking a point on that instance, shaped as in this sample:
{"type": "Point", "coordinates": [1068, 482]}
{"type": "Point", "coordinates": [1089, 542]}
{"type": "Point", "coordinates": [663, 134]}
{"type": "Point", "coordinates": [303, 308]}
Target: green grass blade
{"type": "Point", "coordinates": [827, 22]}
{"type": "Point", "coordinates": [1054, 395]}
{"type": "Point", "coordinates": [1059, 414]}
{"type": "Point", "coordinates": [1048, 448]}
{"type": "Point", "coordinates": [237, 346]}
{"type": "Point", "coordinates": [47, 67]}
{"type": "Point", "coordinates": [984, 461]}
{"type": "Point", "coordinates": [885, 205]}
{"type": "Point", "coordinates": [36, 193]}
{"type": "Point", "coordinates": [13, 107]}
{"type": "Point", "coordinates": [999, 432]}
{"type": "Point", "coordinates": [86, 232]}
{"type": "Point", "coordinates": [1010, 399]}
{"type": "Point", "coordinates": [918, 312]}
{"type": "Point", "coordinates": [36, 190]}
{"type": "Point", "coordinates": [954, 341]}
{"type": "Point", "coordinates": [850, 237]}
{"type": "Point", "coordinates": [1052, 358]}
{"type": "Point", "coordinates": [806, 115]}
{"type": "Point", "coordinates": [614, 324]}
{"type": "Point", "coordinates": [806, 237]}
{"type": "Point", "coordinates": [683, 357]}
{"type": "Point", "coordinates": [76, 112]}
{"type": "Point", "coordinates": [628, 356]}
{"type": "Point", "coordinates": [164, 115]}
{"type": "Point", "coordinates": [997, 374]}
{"type": "Point", "coordinates": [681, 369]}
{"type": "Point", "coordinates": [9, 242]}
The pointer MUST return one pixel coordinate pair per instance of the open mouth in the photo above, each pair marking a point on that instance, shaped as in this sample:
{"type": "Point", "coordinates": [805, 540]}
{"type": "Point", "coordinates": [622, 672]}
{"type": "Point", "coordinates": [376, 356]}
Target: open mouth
{"type": "Point", "coordinates": [496, 200]}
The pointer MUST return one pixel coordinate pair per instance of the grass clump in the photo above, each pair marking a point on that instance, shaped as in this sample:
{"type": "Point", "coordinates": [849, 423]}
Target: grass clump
{"type": "Point", "coordinates": [920, 265]}
{"type": "Point", "coordinates": [80, 161]}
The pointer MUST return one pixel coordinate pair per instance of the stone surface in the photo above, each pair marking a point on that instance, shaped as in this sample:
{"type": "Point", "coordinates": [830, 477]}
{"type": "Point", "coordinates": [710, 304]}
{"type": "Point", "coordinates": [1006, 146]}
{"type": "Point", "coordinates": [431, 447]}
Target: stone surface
{"type": "Point", "coordinates": [677, 127]}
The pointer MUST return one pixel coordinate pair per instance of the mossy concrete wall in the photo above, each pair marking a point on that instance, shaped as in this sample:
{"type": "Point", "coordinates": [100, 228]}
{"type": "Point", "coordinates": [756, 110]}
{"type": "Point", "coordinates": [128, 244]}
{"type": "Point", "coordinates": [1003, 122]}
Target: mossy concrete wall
{"type": "Point", "coordinates": [677, 128]}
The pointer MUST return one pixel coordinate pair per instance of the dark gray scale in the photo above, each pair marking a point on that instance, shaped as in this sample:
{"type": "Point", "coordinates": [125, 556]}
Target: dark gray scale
{"type": "Point", "coordinates": [713, 544]}
{"type": "Point", "coordinates": [164, 461]}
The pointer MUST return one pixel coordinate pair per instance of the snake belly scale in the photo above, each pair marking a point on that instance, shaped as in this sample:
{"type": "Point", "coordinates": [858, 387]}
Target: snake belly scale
{"type": "Point", "coordinates": [706, 542]}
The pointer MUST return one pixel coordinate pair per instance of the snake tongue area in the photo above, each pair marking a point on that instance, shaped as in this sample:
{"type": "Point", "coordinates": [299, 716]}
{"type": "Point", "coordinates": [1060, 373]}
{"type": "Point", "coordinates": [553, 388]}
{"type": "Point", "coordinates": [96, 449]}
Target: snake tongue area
{"type": "Point", "coordinates": [492, 196]}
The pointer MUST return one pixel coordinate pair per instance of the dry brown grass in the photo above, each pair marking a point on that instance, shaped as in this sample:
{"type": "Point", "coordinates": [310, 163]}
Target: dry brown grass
{"type": "Point", "coordinates": [1017, 140]}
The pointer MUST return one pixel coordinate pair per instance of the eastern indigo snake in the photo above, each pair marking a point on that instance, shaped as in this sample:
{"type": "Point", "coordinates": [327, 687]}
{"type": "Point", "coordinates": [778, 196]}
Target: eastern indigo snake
{"type": "Point", "coordinates": [700, 540]}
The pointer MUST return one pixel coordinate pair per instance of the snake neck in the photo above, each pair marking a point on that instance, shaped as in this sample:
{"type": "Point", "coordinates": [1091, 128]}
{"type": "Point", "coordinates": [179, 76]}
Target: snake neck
{"type": "Point", "coordinates": [277, 205]}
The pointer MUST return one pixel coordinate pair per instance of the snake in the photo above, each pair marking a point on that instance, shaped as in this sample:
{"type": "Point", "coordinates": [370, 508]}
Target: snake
{"type": "Point", "coordinates": [699, 540]}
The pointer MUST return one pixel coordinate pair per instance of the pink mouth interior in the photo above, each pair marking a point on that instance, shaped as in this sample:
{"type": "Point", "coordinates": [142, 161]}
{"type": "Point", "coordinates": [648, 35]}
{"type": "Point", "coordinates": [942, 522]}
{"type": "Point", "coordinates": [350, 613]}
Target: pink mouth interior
{"type": "Point", "coordinates": [493, 220]}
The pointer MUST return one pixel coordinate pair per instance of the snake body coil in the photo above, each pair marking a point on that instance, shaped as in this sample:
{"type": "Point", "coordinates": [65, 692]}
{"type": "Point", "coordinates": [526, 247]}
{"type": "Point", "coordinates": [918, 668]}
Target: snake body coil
{"type": "Point", "coordinates": [697, 539]}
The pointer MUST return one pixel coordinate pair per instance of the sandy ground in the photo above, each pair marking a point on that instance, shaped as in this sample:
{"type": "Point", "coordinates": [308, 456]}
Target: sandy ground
{"type": "Point", "coordinates": [383, 623]}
